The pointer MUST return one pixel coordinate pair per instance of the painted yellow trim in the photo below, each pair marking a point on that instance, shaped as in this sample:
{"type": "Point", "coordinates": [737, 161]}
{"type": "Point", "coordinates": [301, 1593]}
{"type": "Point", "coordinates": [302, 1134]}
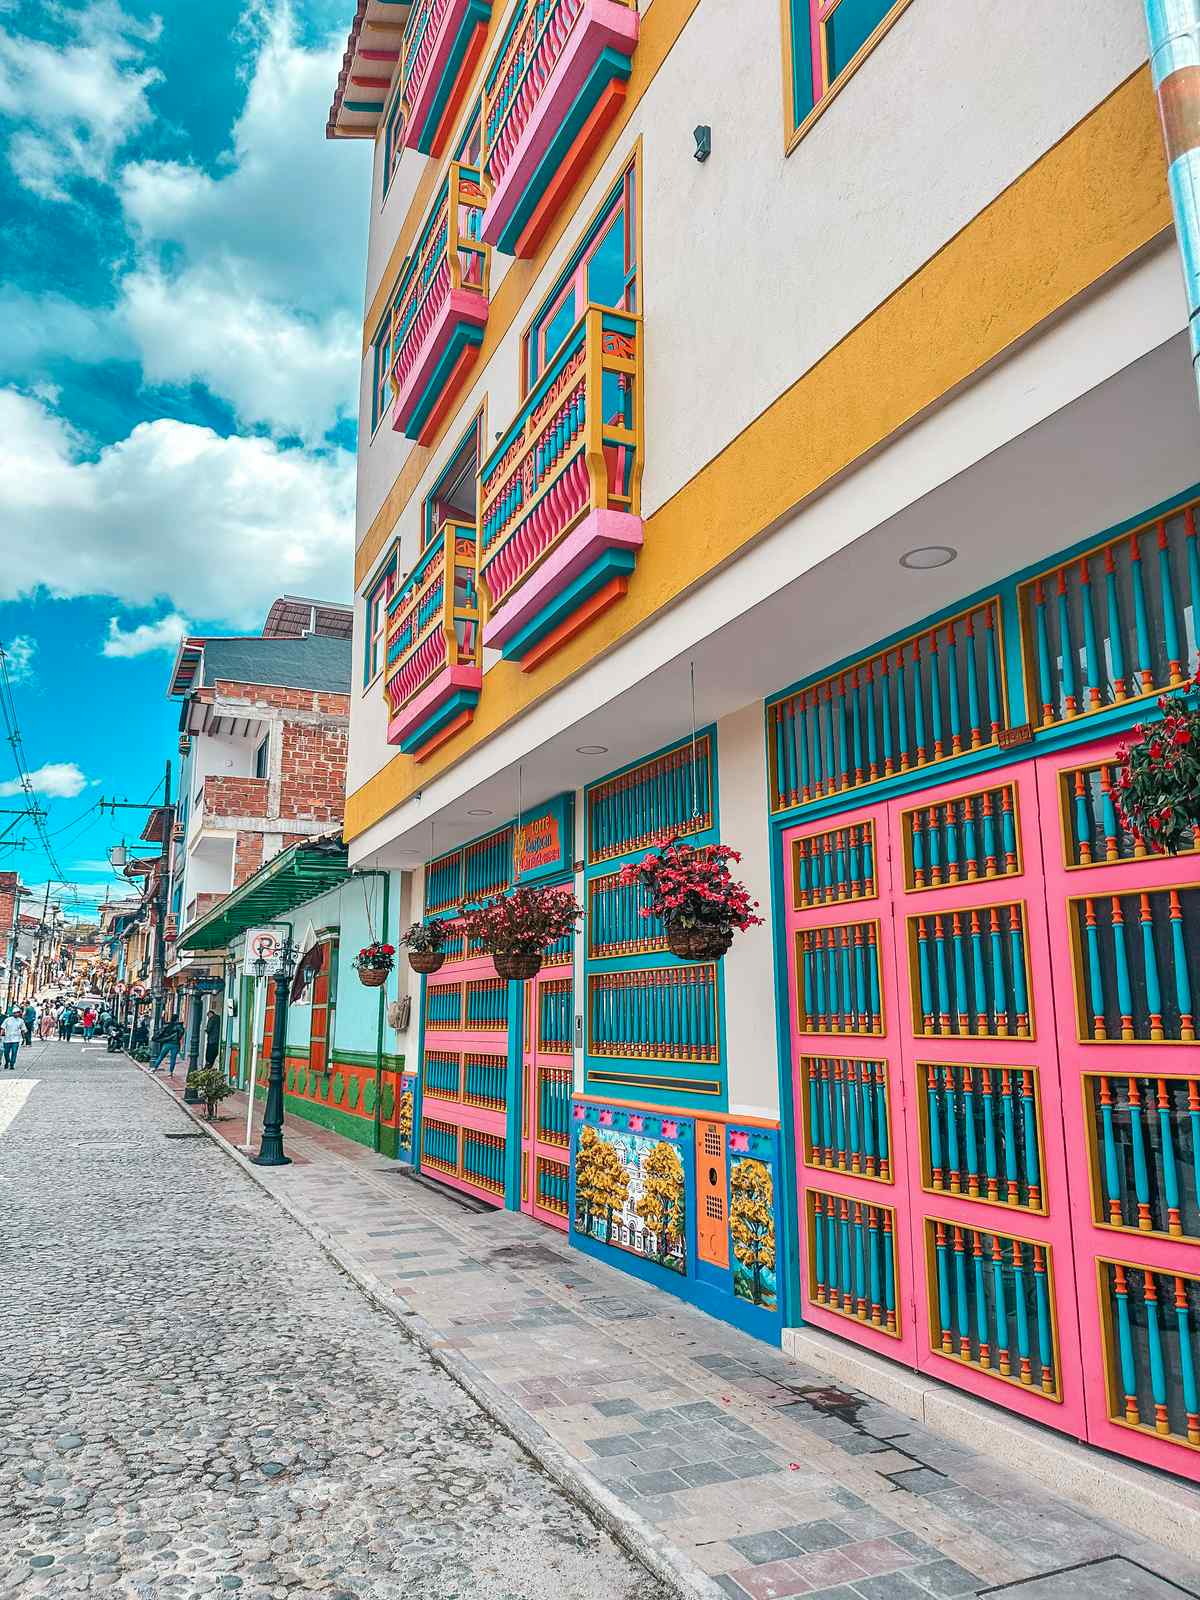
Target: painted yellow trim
{"type": "Point", "coordinates": [660, 28]}
{"type": "Point", "coordinates": [1086, 206]}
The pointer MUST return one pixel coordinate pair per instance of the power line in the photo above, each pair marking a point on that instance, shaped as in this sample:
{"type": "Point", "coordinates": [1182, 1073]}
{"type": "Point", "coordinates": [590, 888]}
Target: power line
{"type": "Point", "coordinates": [37, 815]}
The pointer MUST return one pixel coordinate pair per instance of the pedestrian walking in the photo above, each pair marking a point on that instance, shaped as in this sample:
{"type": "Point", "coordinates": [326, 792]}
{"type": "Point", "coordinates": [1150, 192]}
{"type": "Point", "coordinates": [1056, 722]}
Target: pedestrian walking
{"type": "Point", "coordinates": [212, 1037]}
{"type": "Point", "coordinates": [31, 1017]}
{"type": "Point", "coordinates": [12, 1031]}
{"type": "Point", "coordinates": [167, 1042]}
{"type": "Point", "coordinates": [88, 1020]}
{"type": "Point", "coordinates": [68, 1022]}
{"type": "Point", "coordinates": [46, 1021]}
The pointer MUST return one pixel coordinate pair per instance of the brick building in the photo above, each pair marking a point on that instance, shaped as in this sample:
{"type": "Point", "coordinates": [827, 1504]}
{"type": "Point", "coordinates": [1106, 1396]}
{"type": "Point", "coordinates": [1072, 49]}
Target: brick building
{"type": "Point", "coordinates": [263, 727]}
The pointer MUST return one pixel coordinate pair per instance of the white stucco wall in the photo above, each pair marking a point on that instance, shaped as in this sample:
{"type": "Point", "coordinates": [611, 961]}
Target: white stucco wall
{"type": "Point", "coordinates": [754, 265]}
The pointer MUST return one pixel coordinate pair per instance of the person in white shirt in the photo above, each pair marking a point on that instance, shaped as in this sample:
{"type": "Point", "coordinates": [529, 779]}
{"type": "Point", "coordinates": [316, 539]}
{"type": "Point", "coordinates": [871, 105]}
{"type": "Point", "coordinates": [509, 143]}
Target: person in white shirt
{"type": "Point", "coordinates": [12, 1031]}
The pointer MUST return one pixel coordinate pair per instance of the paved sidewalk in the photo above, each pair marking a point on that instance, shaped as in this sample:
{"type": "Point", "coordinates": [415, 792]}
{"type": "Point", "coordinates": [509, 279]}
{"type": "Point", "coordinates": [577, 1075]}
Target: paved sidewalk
{"type": "Point", "coordinates": [758, 1471]}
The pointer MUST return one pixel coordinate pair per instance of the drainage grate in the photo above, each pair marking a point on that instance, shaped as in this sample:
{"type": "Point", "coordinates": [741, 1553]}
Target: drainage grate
{"type": "Point", "coordinates": [1104, 1578]}
{"type": "Point", "coordinates": [188, 1134]}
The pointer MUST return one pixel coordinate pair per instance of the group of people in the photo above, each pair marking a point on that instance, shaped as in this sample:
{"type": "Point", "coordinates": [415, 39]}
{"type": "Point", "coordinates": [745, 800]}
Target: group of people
{"type": "Point", "coordinates": [20, 1024]}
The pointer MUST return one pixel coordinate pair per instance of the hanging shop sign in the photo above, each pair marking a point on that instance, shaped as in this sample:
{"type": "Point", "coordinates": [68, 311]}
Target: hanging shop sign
{"type": "Point", "coordinates": [543, 840]}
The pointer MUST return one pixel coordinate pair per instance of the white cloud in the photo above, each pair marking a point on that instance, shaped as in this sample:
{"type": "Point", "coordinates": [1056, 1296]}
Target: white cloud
{"type": "Point", "coordinates": [19, 653]}
{"type": "Point", "coordinates": [173, 512]}
{"type": "Point", "coordinates": [164, 634]}
{"type": "Point", "coordinates": [57, 780]}
{"type": "Point", "coordinates": [78, 97]}
{"type": "Point", "coordinates": [295, 373]}
{"type": "Point", "coordinates": [34, 326]}
{"type": "Point", "coordinates": [250, 281]}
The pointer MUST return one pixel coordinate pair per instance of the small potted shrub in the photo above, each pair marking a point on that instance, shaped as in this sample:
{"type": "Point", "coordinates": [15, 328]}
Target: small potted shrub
{"type": "Point", "coordinates": [695, 896]}
{"type": "Point", "coordinates": [426, 945]}
{"type": "Point", "coordinates": [1158, 779]}
{"type": "Point", "coordinates": [373, 963]}
{"type": "Point", "coordinates": [515, 929]}
{"type": "Point", "coordinates": [212, 1086]}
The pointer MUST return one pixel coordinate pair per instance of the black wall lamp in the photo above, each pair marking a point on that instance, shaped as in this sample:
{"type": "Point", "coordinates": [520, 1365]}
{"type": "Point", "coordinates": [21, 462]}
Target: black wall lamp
{"type": "Point", "coordinates": [703, 137]}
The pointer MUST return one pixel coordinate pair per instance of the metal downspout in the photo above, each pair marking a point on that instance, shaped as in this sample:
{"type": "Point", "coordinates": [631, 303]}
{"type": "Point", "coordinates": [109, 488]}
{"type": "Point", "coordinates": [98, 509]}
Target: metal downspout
{"type": "Point", "coordinates": [376, 872]}
{"type": "Point", "coordinates": [1174, 28]}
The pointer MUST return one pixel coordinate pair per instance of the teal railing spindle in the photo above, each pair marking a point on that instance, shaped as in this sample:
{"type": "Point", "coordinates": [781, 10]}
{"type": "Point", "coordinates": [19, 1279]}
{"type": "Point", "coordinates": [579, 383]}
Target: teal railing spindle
{"type": "Point", "coordinates": [1066, 648]}
{"type": "Point", "coordinates": [988, 1093]}
{"type": "Point", "coordinates": [933, 1100]}
{"type": "Point", "coordinates": [945, 1301]}
{"type": "Point", "coordinates": [1141, 623]}
{"type": "Point", "coordinates": [970, 1132]}
{"type": "Point", "coordinates": [1167, 598]}
{"type": "Point", "coordinates": [954, 706]}
{"type": "Point", "coordinates": [1042, 637]}
{"type": "Point", "coordinates": [1093, 663]}
{"type": "Point", "coordinates": [973, 710]}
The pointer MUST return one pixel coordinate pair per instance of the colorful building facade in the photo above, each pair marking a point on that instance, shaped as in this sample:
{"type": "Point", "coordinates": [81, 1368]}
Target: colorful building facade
{"type": "Point", "coordinates": [755, 449]}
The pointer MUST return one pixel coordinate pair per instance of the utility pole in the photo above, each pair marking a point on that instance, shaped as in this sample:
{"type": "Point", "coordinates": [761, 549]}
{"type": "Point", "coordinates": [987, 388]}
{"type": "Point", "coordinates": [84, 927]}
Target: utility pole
{"type": "Point", "coordinates": [37, 954]}
{"type": "Point", "coordinates": [162, 897]}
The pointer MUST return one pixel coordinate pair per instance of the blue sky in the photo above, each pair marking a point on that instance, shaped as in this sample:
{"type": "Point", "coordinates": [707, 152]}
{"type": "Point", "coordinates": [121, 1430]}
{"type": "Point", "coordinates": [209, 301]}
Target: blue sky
{"type": "Point", "coordinates": [180, 318]}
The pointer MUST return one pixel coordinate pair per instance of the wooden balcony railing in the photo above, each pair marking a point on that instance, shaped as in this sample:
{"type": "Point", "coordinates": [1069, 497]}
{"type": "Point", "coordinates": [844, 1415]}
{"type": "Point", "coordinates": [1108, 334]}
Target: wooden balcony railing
{"type": "Point", "coordinates": [441, 306]}
{"type": "Point", "coordinates": [432, 676]}
{"type": "Point", "coordinates": [555, 83]}
{"type": "Point", "coordinates": [560, 493]}
{"type": "Point", "coordinates": [442, 41]}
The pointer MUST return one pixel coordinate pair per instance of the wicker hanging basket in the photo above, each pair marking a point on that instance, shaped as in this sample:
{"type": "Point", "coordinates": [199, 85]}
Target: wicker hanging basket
{"type": "Point", "coordinates": [426, 960]}
{"type": "Point", "coordinates": [517, 964]}
{"type": "Point", "coordinates": [698, 944]}
{"type": "Point", "coordinates": [373, 977]}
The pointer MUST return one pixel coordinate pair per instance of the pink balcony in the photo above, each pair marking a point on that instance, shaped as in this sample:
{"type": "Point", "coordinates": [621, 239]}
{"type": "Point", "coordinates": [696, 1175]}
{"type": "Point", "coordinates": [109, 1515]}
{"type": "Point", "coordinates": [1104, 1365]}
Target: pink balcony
{"type": "Point", "coordinates": [442, 41]}
{"type": "Point", "coordinates": [432, 677]}
{"type": "Point", "coordinates": [555, 84]}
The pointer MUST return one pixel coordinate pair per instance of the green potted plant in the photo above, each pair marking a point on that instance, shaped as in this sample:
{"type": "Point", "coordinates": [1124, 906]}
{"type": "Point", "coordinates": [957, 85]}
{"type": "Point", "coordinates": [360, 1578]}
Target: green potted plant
{"type": "Point", "coordinates": [694, 895]}
{"type": "Point", "coordinates": [373, 963]}
{"type": "Point", "coordinates": [212, 1086]}
{"type": "Point", "coordinates": [1157, 795]}
{"type": "Point", "coordinates": [426, 945]}
{"type": "Point", "coordinates": [516, 928]}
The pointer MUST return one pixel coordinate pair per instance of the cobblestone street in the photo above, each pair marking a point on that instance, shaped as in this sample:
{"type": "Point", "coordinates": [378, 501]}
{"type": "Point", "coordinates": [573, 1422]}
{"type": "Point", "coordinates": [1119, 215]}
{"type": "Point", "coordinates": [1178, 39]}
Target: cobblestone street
{"type": "Point", "coordinates": [195, 1401]}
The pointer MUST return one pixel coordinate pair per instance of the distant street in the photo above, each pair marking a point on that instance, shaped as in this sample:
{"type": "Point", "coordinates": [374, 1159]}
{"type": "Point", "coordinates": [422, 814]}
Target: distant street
{"type": "Point", "coordinates": [195, 1401]}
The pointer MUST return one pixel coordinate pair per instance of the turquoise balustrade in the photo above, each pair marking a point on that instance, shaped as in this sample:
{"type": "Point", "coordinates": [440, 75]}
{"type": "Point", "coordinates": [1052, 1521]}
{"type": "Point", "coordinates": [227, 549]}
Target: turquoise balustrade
{"type": "Point", "coordinates": [553, 1186]}
{"type": "Point", "coordinates": [963, 840]}
{"type": "Point", "coordinates": [442, 1074]}
{"type": "Point", "coordinates": [1154, 1349]}
{"type": "Point", "coordinates": [1139, 965]}
{"type": "Point", "coordinates": [484, 1159]}
{"type": "Point", "coordinates": [982, 1129]}
{"type": "Point", "coordinates": [660, 1013]}
{"type": "Point", "coordinates": [993, 1304]}
{"type": "Point", "coordinates": [839, 979]}
{"type": "Point", "coordinates": [968, 974]}
{"type": "Point", "coordinates": [554, 1105]}
{"type": "Point", "coordinates": [439, 1144]}
{"type": "Point", "coordinates": [616, 926]}
{"type": "Point", "coordinates": [1147, 1138]}
{"type": "Point", "coordinates": [485, 1079]}
{"type": "Point", "coordinates": [834, 866]}
{"type": "Point", "coordinates": [555, 1016]}
{"type": "Point", "coordinates": [853, 1261]}
{"type": "Point", "coordinates": [663, 798]}
{"type": "Point", "coordinates": [443, 1005]}
{"type": "Point", "coordinates": [848, 1124]}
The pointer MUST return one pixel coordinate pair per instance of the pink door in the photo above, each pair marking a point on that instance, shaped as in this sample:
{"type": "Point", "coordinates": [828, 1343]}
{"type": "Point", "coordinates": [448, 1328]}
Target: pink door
{"type": "Point", "coordinates": [1125, 925]}
{"type": "Point", "coordinates": [852, 1134]}
{"type": "Point", "coordinates": [988, 1219]}
{"type": "Point", "coordinates": [546, 1068]}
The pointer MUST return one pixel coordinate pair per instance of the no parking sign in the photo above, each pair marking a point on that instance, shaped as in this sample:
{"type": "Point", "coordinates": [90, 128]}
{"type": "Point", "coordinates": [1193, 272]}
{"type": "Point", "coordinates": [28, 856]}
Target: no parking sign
{"type": "Point", "coordinates": [264, 945]}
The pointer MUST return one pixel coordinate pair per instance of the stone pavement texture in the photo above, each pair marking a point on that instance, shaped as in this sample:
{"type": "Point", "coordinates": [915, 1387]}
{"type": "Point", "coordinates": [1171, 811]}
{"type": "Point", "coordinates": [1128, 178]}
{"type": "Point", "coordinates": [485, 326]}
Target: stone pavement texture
{"type": "Point", "coordinates": [765, 1475]}
{"type": "Point", "coordinates": [195, 1401]}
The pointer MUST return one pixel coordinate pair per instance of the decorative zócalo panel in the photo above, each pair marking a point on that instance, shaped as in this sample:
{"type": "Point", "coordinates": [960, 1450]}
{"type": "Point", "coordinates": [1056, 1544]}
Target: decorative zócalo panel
{"type": "Point", "coordinates": [631, 1187]}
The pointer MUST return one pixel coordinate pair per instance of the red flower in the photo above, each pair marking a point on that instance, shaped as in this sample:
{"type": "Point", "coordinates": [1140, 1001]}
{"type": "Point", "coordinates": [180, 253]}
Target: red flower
{"type": "Point", "coordinates": [1182, 736]}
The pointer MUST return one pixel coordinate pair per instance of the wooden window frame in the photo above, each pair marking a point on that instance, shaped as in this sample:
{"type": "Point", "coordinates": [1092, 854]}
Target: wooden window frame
{"type": "Point", "coordinates": [803, 28]}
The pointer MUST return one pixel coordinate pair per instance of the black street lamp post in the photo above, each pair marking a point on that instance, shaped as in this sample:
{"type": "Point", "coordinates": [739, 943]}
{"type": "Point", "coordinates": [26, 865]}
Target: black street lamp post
{"type": "Point", "coordinates": [270, 1150]}
{"type": "Point", "coordinates": [190, 1097]}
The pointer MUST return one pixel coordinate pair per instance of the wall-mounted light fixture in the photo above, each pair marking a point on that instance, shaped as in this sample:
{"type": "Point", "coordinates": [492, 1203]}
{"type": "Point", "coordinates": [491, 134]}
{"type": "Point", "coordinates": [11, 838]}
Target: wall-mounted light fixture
{"type": "Point", "coordinates": [703, 138]}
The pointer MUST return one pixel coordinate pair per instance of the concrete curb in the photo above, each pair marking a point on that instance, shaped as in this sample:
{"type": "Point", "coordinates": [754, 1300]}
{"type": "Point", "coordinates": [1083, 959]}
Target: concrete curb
{"type": "Point", "coordinates": [639, 1537]}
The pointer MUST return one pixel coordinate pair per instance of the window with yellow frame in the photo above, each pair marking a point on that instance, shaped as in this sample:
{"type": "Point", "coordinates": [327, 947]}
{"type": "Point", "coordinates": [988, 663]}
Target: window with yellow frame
{"type": "Point", "coordinates": [824, 42]}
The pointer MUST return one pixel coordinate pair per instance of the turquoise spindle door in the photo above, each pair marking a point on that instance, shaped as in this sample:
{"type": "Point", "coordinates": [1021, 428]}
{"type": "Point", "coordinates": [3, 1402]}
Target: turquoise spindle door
{"type": "Point", "coordinates": [1126, 926]}
{"type": "Point", "coordinates": [987, 1211]}
{"type": "Point", "coordinates": [547, 1069]}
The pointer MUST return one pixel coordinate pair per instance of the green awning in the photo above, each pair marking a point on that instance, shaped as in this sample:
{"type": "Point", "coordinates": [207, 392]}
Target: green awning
{"type": "Point", "coordinates": [290, 879]}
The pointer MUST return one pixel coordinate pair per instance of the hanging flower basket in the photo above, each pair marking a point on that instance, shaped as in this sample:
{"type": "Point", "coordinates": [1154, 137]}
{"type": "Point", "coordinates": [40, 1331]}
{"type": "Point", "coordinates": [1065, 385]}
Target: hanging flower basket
{"type": "Point", "coordinates": [517, 964]}
{"type": "Point", "coordinates": [1157, 796]}
{"type": "Point", "coordinates": [426, 945]}
{"type": "Point", "coordinates": [691, 891]}
{"type": "Point", "coordinates": [515, 929]}
{"type": "Point", "coordinates": [426, 961]}
{"type": "Point", "coordinates": [699, 943]}
{"type": "Point", "coordinates": [373, 963]}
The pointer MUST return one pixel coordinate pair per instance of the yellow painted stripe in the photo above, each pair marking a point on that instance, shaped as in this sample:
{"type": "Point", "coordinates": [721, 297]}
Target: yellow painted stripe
{"type": "Point", "coordinates": [660, 28]}
{"type": "Point", "coordinates": [1082, 209]}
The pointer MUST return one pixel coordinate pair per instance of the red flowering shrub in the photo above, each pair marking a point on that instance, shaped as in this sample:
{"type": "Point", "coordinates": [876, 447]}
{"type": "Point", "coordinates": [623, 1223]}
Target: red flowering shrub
{"type": "Point", "coordinates": [690, 886]}
{"type": "Point", "coordinates": [374, 956]}
{"type": "Point", "coordinates": [524, 922]}
{"type": "Point", "coordinates": [1158, 779]}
